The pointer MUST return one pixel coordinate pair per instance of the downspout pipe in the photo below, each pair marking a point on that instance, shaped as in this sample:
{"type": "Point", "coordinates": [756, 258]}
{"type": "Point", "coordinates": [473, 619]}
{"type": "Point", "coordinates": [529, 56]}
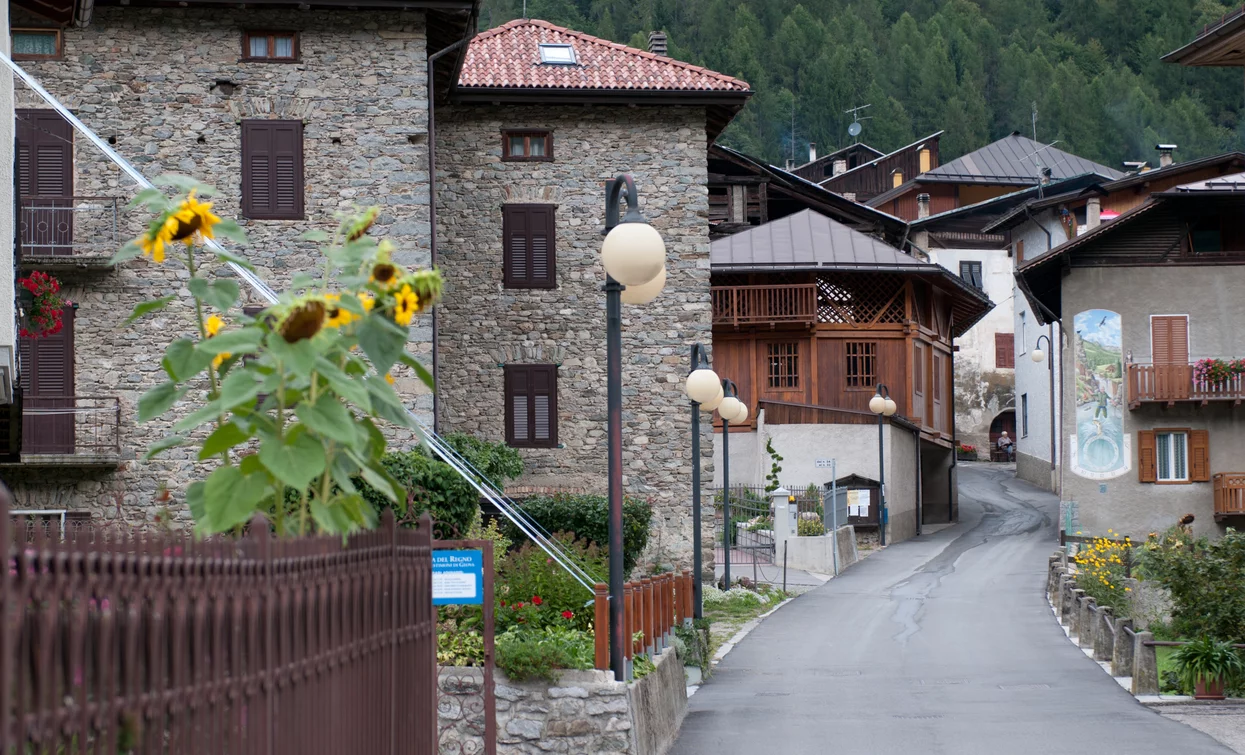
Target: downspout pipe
{"type": "Point", "coordinates": [432, 205]}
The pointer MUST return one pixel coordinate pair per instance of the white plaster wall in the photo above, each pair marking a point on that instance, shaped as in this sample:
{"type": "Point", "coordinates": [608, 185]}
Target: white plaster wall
{"type": "Point", "coordinates": [8, 333]}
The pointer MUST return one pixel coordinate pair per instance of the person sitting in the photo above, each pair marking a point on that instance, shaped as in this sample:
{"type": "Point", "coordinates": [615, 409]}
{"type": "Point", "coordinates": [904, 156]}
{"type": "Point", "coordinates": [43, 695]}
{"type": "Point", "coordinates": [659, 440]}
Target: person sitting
{"type": "Point", "coordinates": [1007, 446]}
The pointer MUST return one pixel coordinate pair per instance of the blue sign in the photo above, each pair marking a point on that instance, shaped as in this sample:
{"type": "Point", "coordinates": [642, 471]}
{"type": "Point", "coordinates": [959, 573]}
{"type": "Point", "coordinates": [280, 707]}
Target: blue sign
{"type": "Point", "coordinates": [457, 578]}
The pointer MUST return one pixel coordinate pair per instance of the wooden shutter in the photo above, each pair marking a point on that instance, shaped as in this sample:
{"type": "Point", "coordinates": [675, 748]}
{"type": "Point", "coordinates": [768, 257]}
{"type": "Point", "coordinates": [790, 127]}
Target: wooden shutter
{"type": "Point", "coordinates": [1199, 456]}
{"type": "Point", "coordinates": [1147, 469]}
{"type": "Point", "coordinates": [1004, 350]}
{"type": "Point", "coordinates": [531, 392]}
{"type": "Point", "coordinates": [272, 170]}
{"type": "Point", "coordinates": [528, 253]}
{"type": "Point", "coordinates": [1020, 251]}
{"type": "Point", "coordinates": [45, 170]}
{"type": "Point", "coordinates": [1169, 338]}
{"type": "Point", "coordinates": [47, 382]}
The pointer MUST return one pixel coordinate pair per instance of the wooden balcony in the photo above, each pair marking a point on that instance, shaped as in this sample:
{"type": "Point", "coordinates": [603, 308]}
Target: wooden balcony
{"type": "Point", "coordinates": [1229, 494]}
{"type": "Point", "coordinates": [1169, 383]}
{"type": "Point", "coordinates": [765, 305]}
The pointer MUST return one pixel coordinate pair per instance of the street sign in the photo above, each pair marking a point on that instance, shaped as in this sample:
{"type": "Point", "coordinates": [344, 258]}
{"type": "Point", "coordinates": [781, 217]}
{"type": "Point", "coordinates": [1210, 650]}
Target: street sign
{"type": "Point", "coordinates": [825, 463]}
{"type": "Point", "coordinates": [457, 577]}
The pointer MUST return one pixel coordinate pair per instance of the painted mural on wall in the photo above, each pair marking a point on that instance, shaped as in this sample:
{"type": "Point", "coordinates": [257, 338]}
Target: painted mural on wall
{"type": "Point", "coordinates": [1100, 450]}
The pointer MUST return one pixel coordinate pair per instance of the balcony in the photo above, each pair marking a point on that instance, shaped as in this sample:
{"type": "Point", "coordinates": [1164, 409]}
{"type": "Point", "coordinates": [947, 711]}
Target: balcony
{"type": "Point", "coordinates": [1169, 383]}
{"type": "Point", "coordinates": [765, 305]}
{"type": "Point", "coordinates": [1229, 494]}
{"type": "Point", "coordinates": [70, 431]}
{"type": "Point", "coordinates": [68, 233]}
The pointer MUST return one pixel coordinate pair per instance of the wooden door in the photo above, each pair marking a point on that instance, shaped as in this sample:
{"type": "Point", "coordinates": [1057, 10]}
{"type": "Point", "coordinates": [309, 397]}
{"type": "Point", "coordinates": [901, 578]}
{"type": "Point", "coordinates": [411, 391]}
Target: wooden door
{"type": "Point", "coordinates": [45, 182]}
{"type": "Point", "coordinates": [47, 381]}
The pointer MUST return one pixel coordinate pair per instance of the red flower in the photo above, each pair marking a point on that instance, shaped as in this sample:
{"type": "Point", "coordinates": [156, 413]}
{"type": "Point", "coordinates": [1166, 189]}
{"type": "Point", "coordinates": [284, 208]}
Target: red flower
{"type": "Point", "coordinates": [568, 615]}
{"type": "Point", "coordinates": [536, 600]}
{"type": "Point", "coordinates": [517, 606]}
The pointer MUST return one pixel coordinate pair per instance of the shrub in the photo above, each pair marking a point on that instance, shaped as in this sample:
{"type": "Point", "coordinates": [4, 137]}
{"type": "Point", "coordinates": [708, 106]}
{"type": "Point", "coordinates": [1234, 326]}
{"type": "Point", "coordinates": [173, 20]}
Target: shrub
{"type": "Point", "coordinates": [529, 653]}
{"type": "Point", "coordinates": [1207, 660]}
{"type": "Point", "coordinates": [431, 486]}
{"type": "Point", "coordinates": [1100, 564]}
{"type": "Point", "coordinates": [811, 527]}
{"type": "Point", "coordinates": [1205, 580]}
{"type": "Point", "coordinates": [587, 516]}
{"type": "Point", "coordinates": [496, 461]}
{"type": "Point", "coordinates": [533, 589]}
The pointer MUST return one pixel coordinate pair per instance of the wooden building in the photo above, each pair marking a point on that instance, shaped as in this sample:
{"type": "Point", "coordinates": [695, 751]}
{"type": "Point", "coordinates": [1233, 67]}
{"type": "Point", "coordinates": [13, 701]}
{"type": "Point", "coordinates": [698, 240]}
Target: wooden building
{"type": "Point", "coordinates": [882, 174]}
{"type": "Point", "coordinates": [841, 160]}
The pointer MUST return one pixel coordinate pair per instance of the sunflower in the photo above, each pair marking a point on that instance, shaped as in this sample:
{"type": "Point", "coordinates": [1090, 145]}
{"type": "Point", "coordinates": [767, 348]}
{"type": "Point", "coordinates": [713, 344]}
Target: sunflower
{"type": "Point", "coordinates": [194, 219]}
{"type": "Point", "coordinates": [213, 326]}
{"type": "Point", "coordinates": [368, 301]}
{"type": "Point", "coordinates": [406, 304]}
{"type": "Point", "coordinates": [388, 378]}
{"type": "Point", "coordinates": [304, 321]}
{"type": "Point", "coordinates": [159, 234]}
{"type": "Point", "coordinates": [335, 314]}
{"type": "Point", "coordinates": [384, 273]}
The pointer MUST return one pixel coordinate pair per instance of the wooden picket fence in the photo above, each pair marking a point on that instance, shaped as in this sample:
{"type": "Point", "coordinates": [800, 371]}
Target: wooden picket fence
{"type": "Point", "coordinates": [652, 608]}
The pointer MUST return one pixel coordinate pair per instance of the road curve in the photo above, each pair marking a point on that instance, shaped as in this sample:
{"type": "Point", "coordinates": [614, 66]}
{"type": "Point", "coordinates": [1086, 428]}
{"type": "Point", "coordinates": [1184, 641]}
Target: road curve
{"type": "Point", "coordinates": [942, 644]}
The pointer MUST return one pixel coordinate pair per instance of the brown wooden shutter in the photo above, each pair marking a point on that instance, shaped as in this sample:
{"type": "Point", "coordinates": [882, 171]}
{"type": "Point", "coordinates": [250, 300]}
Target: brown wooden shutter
{"type": "Point", "coordinates": [272, 170]}
{"type": "Point", "coordinates": [47, 382]}
{"type": "Point", "coordinates": [1169, 337]}
{"type": "Point", "coordinates": [1004, 350]}
{"type": "Point", "coordinates": [1020, 251]}
{"type": "Point", "coordinates": [531, 392]}
{"type": "Point", "coordinates": [1199, 456]}
{"type": "Point", "coordinates": [528, 251]}
{"type": "Point", "coordinates": [1147, 469]}
{"type": "Point", "coordinates": [45, 170]}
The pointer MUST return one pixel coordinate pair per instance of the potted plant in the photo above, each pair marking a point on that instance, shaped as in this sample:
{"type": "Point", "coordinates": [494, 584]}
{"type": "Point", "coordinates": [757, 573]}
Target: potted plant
{"type": "Point", "coordinates": [41, 303]}
{"type": "Point", "coordinates": [1208, 665]}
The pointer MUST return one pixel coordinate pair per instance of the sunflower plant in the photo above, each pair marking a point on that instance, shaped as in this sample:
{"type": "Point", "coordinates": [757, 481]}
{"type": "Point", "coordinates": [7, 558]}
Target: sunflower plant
{"type": "Point", "coordinates": [288, 403]}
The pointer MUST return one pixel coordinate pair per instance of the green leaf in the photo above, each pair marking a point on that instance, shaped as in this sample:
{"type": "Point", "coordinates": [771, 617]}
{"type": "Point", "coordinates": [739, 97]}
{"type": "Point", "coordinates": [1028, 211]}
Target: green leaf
{"type": "Point", "coordinates": [345, 386]}
{"type": "Point", "coordinates": [131, 250]}
{"type": "Point", "coordinates": [301, 281]}
{"type": "Point", "coordinates": [330, 418]}
{"type": "Point", "coordinates": [376, 476]}
{"type": "Point", "coordinates": [343, 468]}
{"type": "Point", "coordinates": [297, 461]}
{"type": "Point", "coordinates": [229, 229]}
{"type": "Point", "coordinates": [151, 198]}
{"type": "Point", "coordinates": [147, 307]}
{"type": "Point", "coordinates": [164, 444]}
{"type": "Point", "coordinates": [385, 402]}
{"type": "Point", "coordinates": [195, 502]}
{"type": "Point", "coordinates": [182, 361]}
{"type": "Point", "coordinates": [220, 293]}
{"type": "Point", "coordinates": [222, 439]}
{"type": "Point", "coordinates": [238, 388]}
{"type": "Point", "coordinates": [209, 411]}
{"type": "Point", "coordinates": [318, 236]}
{"type": "Point", "coordinates": [157, 401]}
{"type": "Point", "coordinates": [383, 341]}
{"type": "Point", "coordinates": [230, 498]}
{"type": "Point", "coordinates": [420, 370]}
{"type": "Point", "coordinates": [184, 183]}
{"type": "Point", "coordinates": [241, 341]}
{"type": "Point", "coordinates": [298, 357]}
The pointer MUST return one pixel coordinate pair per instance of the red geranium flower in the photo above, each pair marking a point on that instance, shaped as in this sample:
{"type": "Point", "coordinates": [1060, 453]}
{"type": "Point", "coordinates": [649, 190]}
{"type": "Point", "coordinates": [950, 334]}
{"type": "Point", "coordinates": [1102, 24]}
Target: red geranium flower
{"type": "Point", "coordinates": [536, 600]}
{"type": "Point", "coordinates": [517, 606]}
{"type": "Point", "coordinates": [568, 615]}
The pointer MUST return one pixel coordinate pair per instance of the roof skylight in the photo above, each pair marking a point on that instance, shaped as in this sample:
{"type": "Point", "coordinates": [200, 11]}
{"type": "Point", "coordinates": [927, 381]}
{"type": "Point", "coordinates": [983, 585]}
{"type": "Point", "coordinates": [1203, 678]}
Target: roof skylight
{"type": "Point", "coordinates": [558, 55]}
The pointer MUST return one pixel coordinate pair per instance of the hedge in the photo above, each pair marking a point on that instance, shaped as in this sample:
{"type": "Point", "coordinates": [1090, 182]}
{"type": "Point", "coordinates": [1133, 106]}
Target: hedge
{"type": "Point", "coordinates": [587, 516]}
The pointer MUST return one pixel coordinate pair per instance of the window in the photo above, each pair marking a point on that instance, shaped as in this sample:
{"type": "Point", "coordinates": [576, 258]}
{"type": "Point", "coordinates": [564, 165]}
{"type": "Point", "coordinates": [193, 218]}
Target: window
{"type": "Point", "coordinates": [1024, 348]}
{"type": "Point", "coordinates": [918, 368]}
{"type": "Point", "coordinates": [528, 252]}
{"type": "Point", "coordinates": [1169, 339]}
{"type": "Point", "coordinates": [1207, 236]}
{"type": "Point", "coordinates": [784, 364]}
{"type": "Point", "coordinates": [47, 382]}
{"type": "Point", "coordinates": [937, 378]}
{"type": "Point", "coordinates": [1173, 455]}
{"type": "Point", "coordinates": [1024, 415]}
{"type": "Point", "coordinates": [1004, 351]}
{"type": "Point", "coordinates": [36, 44]}
{"type": "Point", "coordinates": [558, 55]}
{"type": "Point", "coordinates": [268, 45]}
{"type": "Point", "coordinates": [971, 273]}
{"type": "Point", "coordinates": [531, 405]}
{"type": "Point", "coordinates": [272, 170]}
{"type": "Point", "coordinates": [536, 146]}
{"type": "Point", "coordinates": [861, 363]}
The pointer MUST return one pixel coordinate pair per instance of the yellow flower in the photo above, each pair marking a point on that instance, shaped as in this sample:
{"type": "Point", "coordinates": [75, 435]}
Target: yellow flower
{"type": "Point", "coordinates": [367, 301]}
{"type": "Point", "coordinates": [337, 316]}
{"type": "Point", "coordinates": [220, 358]}
{"type": "Point", "coordinates": [214, 325]}
{"type": "Point", "coordinates": [194, 218]}
{"type": "Point", "coordinates": [388, 378]}
{"type": "Point", "coordinates": [405, 306]}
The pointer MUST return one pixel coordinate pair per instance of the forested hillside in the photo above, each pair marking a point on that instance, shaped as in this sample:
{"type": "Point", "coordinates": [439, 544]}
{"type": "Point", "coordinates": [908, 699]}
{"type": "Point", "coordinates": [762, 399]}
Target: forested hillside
{"type": "Point", "coordinates": [976, 69]}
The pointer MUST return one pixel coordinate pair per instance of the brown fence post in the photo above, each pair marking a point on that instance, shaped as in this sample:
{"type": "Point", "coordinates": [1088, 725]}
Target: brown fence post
{"type": "Point", "coordinates": [629, 620]}
{"type": "Point", "coordinates": [689, 597]}
{"type": "Point", "coordinates": [7, 626]}
{"type": "Point", "coordinates": [601, 625]}
{"type": "Point", "coordinates": [679, 589]}
{"type": "Point", "coordinates": [648, 612]}
{"type": "Point", "coordinates": [664, 630]}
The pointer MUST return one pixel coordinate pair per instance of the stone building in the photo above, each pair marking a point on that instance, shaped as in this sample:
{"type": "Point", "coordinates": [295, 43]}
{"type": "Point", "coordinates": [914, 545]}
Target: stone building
{"type": "Point", "coordinates": [542, 117]}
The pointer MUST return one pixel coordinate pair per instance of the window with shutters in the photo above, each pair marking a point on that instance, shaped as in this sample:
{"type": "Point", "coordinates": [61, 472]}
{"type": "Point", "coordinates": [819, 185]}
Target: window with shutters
{"type": "Point", "coordinates": [971, 273]}
{"type": "Point", "coordinates": [1169, 339]}
{"type": "Point", "coordinates": [272, 170]}
{"type": "Point", "coordinates": [528, 253]}
{"type": "Point", "coordinates": [784, 365]}
{"type": "Point", "coordinates": [1173, 455]}
{"type": "Point", "coordinates": [46, 377]}
{"type": "Point", "coordinates": [45, 182]}
{"type": "Point", "coordinates": [531, 405]}
{"type": "Point", "coordinates": [528, 146]}
{"type": "Point", "coordinates": [270, 46]}
{"type": "Point", "coordinates": [862, 358]}
{"type": "Point", "coordinates": [1004, 354]}
{"type": "Point", "coordinates": [36, 44]}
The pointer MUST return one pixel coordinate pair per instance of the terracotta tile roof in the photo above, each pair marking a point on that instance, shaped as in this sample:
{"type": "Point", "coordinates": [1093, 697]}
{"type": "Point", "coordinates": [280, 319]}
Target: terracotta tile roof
{"type": "Point", "coordinates": [509, 57]}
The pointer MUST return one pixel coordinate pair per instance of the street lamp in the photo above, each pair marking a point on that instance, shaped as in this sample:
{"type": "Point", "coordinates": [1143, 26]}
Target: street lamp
{"type": "Point", "coordinates": [884, 406]}
{"type": "Point", "coordinates": [1038, 356]}
{"type": "Point", "coordinates": [704, 388]}
{"type": "Point", "coordinates": [634, 255]}
{"type": "Point", "coordinates": [731, 409]}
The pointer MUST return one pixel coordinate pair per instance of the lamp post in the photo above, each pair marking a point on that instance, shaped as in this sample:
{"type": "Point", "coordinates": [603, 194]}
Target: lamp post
{"type": "Point", "coordinates": [1038, 356]}
{"type": "Point", "coordinates": [731, 409]}
{"type": "Point", "coordinates": [634, 257]}
{"type": "Point", "coordinates": [884, 406]}
{"type": "Point", "coordinates": [704, 388]}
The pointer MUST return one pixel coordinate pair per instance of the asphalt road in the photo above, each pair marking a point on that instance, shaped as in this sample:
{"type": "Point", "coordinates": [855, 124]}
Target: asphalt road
{"type": "Point", "coordinates": [942, 644]}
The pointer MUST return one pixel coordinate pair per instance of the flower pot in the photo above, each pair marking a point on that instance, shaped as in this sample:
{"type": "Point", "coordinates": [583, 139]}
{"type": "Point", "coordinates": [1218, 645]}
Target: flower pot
{"type": "Point", "coordinates": [1208, 689]}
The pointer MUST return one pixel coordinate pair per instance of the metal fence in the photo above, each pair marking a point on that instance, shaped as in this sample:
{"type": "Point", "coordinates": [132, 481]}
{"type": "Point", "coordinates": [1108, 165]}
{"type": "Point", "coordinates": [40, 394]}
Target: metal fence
{"type": "Point", "coordinates": [751, 532]}
{"type": "Point", "coordinates": [158, 643]}
{"type": "Point", "coordinates": [63, 226]}
{"type": "Point", "coordinates": [80, 425]}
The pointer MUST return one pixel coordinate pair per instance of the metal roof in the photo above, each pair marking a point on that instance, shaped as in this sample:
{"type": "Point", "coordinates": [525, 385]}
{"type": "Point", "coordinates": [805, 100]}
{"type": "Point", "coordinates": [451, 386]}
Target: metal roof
{"type": "Point", "coordinates": [1218, 44]}
{"type": "Point", "coordinates": [807, 240]}
{"type": "Point", "coordinates": [1014, 160]}
{"type": "Point", "coordinates": [881, 158]}
{"type": "Point", "coordinates": [1222, 184]}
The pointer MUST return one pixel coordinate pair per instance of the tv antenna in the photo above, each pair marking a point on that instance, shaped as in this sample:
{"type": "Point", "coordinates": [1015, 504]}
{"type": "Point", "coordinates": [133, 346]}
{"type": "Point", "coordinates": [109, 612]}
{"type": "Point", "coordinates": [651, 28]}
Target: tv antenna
{"type": "Point", "coordinates": [854, 129]}
{"type": "Point", "coordinates": [1034, 116]}
{"type": "Point", "coordinates": [1042, 170]}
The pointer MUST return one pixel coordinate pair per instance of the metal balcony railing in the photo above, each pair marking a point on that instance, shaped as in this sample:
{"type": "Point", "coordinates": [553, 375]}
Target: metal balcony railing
{"type": "Point", "coordinates": [87, 427]}
{"type": "Point", "coordinates": [56, 226]}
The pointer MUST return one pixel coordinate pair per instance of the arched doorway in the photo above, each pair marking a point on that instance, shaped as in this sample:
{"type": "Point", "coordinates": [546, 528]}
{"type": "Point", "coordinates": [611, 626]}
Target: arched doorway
{"type": "Point", "coordinates": [1005, 420]}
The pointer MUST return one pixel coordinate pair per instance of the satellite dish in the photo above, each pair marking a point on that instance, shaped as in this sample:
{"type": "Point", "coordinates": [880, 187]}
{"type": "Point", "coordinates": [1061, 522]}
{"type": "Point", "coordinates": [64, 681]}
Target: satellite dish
{"type": "Point", "coordinates": [854, 129]}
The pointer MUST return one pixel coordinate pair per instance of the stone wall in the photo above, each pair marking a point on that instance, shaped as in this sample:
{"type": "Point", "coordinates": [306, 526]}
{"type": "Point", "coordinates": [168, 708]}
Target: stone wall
{"type": "Point", "coordinates": [149, 82]}
{"type": "Point", "coordinates": [484, 325]}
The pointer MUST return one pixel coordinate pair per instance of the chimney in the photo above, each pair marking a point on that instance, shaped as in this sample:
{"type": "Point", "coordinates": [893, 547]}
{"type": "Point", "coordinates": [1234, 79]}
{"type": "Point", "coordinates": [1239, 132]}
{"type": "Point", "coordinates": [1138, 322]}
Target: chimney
{"type": "Point", "coordinates": [840, 166]}
{"type": "Point", "coordinates": [1046, 174]}
{"type": "Point", "coordinates": [812, 152]}
{"type": "Point", "coordinates": [1136, 166]}
{"type": "Point", "coordinates": [922, 206]}
{"type": "Point", "coordinates": [1093, 213]}
{"type": "Point", "coordinates": [896, 178]}
{"type": "Point", "coordinates": [1165, 154]}
{"type": "Point", "coordinates": [657, 43]}
{"type": "Point", "coordinates": [790, 165]}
